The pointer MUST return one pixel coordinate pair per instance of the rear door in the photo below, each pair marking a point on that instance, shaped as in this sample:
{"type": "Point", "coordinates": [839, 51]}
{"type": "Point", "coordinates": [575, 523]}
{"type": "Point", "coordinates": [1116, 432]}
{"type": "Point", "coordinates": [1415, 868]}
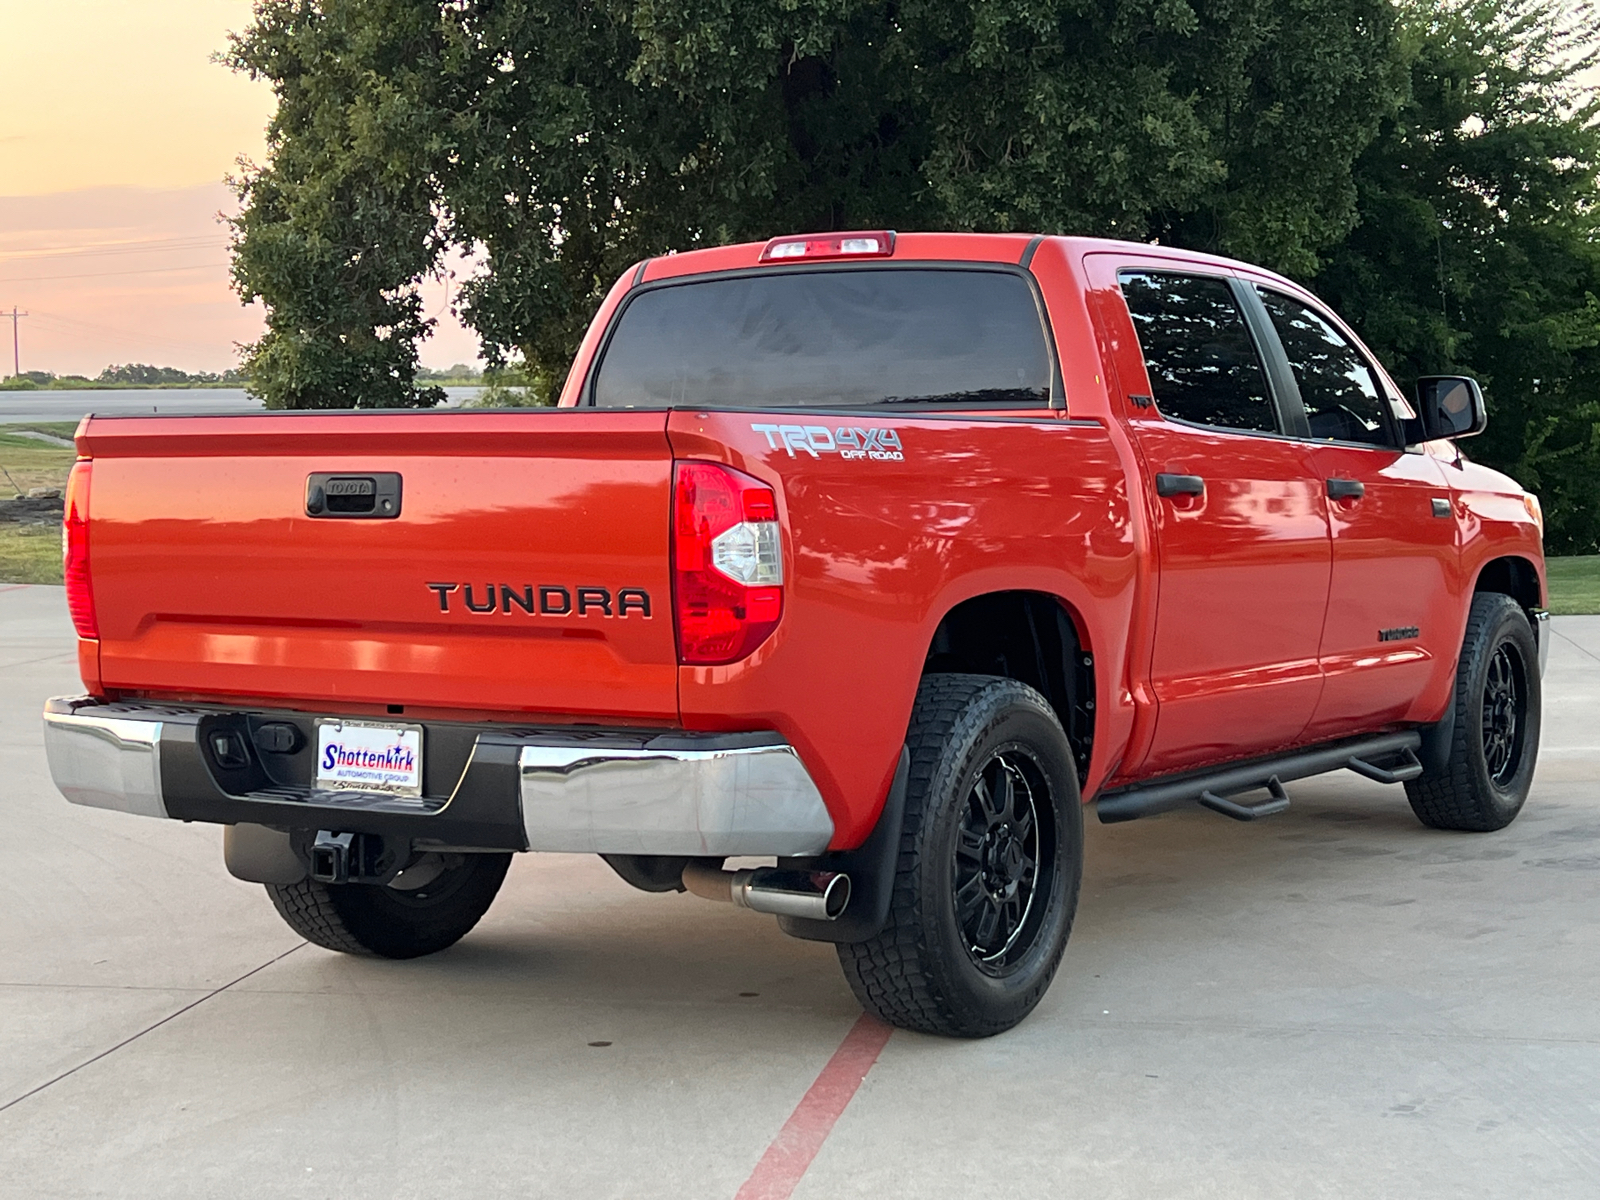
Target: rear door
{"type": "Point", "coordinates": [1392, 612]}
{"type": "Point", "coordinates": [1241, 522]}
{"type": "Point", "coordinates": [524, 569]}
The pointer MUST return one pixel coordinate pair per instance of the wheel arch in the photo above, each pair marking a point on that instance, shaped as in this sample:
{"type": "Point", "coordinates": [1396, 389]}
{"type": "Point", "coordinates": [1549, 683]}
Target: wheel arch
{"type": "Point", "coordinates": [1033, 637]}
{"type": "Point", "coordinates": [1512, 575]}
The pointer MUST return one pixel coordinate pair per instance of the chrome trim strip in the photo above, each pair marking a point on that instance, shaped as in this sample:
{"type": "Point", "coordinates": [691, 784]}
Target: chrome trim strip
{"type": "Point", "coordinates": [1541, 634]}
{"type": "Point", "coordinates": [106, 762]}
{"type": "Point", "coordinates": [719, 801]}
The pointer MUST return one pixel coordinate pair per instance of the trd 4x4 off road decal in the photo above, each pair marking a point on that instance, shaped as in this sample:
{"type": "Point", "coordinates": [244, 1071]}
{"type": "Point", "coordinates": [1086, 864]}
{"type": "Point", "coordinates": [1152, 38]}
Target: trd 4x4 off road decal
{"type": "Point", "coordinates": [881, 445]}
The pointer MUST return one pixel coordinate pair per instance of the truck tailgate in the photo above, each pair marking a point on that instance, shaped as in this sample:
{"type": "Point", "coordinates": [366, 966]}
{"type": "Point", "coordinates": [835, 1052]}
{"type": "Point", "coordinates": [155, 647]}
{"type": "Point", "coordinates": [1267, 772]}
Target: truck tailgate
{"type": "Point", "coordinates": [211, 579]}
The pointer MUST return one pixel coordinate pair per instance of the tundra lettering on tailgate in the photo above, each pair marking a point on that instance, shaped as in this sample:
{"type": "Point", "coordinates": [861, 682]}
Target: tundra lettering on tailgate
{"type": "Point", "coordinates": [549, 600]}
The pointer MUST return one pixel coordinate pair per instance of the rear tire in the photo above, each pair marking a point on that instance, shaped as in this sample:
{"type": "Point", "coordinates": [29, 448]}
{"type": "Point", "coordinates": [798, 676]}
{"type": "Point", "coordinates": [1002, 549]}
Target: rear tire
{"type": "Point", "coordinates": [1495, 741]}
{"type": "Point", "coordinates": [991, 854]}
{"type": "Point", "coordinates": [406, 919]}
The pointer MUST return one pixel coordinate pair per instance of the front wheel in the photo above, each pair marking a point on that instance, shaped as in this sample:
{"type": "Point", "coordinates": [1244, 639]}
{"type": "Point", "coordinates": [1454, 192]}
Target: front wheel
{"type": "Point", "coordinates": [991, 854]}
{"type": "Point", "coordinates": [1488, 767]}
{"type": "Point", "coordinates": [431, 904]}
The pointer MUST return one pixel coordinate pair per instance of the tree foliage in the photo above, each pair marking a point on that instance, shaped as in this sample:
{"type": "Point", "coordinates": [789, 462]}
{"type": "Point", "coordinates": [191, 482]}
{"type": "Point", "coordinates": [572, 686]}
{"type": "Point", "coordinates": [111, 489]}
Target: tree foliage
{"type": "Point", "coordinates": [1478, 247]}
{"type": "Point", "coordinates": [338, 227]}
{"type": "Point", "coordinates": [1430, 167]}
{"type": "Point", "coordinates": [560, 142]}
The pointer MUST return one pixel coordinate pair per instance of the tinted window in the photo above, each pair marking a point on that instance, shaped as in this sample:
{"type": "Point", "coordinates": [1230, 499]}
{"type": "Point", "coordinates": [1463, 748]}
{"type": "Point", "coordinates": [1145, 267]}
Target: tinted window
{"type": "Point", "coordinates": [1197, 350]}
{"type": "Point", "coordinates": [1341, 396]}
{"type": "Point", "coordinates": [831, 338]}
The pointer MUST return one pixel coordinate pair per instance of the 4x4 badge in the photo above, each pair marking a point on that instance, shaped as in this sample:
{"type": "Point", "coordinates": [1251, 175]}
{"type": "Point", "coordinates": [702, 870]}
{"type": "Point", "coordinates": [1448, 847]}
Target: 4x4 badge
{"type": "Point", "coordinates": [879, 445]}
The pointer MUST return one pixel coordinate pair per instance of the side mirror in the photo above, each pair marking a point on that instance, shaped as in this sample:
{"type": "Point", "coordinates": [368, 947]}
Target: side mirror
{"type": "Point", "coordinates": [1450, 406]}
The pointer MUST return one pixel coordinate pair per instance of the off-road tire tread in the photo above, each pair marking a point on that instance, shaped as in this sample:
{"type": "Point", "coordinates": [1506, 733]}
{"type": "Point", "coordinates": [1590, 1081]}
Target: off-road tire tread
{"type": "Point", "coordinates": [313, 910]}
{"type": "Point", "coordinates": [308, 909]}
{"type": "Point", "coordinates": [1450, 799]}
{"type": "Point", "coordinates": [886, 972]}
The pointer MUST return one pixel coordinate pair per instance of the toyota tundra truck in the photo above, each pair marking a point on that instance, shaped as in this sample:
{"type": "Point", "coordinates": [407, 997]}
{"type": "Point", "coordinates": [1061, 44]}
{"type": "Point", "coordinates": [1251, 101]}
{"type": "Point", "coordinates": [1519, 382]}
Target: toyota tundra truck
{"type": "Point", "coordinates": [869, 560]}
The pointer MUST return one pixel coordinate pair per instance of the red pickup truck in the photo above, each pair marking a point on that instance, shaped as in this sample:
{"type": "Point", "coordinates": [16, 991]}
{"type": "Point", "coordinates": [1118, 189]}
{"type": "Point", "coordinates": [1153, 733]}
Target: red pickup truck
{"type": "Point", "coordinates": [874, 557]}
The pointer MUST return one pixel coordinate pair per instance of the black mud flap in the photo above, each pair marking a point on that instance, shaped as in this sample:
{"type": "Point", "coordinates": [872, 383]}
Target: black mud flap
{"type": "Point", "coordinates": [870, 866]}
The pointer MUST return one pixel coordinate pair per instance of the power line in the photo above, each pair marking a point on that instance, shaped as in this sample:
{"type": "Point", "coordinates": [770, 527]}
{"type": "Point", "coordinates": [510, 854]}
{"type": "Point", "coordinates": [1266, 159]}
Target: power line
{"type": "Point", "coordinates": [105, 274]}
{"type": "Point", "coordinates": [175, 245]}
{"type": "Point", "coordinates": [84, 332]}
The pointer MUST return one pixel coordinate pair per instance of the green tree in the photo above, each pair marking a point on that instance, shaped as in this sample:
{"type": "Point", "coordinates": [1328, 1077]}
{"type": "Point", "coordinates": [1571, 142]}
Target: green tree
{"type": "Point", "coordinates": [341, 224]}
{"type": "Point", "coordinates": [1478, 248]}
{"type": "Point", "coordinates": [559, 142]}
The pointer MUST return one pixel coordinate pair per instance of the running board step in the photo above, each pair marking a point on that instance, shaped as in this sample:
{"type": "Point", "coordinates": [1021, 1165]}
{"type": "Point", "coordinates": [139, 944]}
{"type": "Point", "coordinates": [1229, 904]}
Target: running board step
{"type": "Point", "coordinates": [1248, 812]}
{"type": "Point", "coordinates": [1387, 758]}
{"type": "Point", "coordinates": [1407, 767]}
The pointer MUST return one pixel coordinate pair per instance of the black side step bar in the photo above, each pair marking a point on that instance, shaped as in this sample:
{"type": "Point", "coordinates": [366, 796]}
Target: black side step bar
{"type": "Point", "coordinates": [1248, 812]}
{"type": "Point", "coordinates": [1366, 756]}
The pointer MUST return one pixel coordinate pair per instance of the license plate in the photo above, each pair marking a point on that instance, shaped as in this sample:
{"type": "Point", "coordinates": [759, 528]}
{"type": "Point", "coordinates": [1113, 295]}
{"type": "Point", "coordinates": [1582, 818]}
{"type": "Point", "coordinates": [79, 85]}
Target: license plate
{"type": "Point", "coordinates": [364, 756]}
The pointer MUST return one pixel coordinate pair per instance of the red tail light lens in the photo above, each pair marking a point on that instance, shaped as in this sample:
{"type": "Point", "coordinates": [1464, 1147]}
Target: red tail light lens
{"type": "Point", "coordinates": [727, 561]}
{"type": "Point", "coordinates": [75, 552]}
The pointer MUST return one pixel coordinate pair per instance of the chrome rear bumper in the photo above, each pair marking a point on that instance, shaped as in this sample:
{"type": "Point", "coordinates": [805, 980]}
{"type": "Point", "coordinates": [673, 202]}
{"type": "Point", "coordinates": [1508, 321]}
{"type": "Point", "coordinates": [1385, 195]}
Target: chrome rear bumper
{"type": "Point", "coordinates": [565, 789]}
{"type": "Point", "coordinates": [106, 761]}
{"type": "Point", "coordinates": [672, 795]}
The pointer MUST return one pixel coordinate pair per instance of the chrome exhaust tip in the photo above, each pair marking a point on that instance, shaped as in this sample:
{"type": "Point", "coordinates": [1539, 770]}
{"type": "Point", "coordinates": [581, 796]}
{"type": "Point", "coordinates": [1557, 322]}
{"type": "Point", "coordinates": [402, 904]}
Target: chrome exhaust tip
{"type": "Point", "coordinates": [811, 895]}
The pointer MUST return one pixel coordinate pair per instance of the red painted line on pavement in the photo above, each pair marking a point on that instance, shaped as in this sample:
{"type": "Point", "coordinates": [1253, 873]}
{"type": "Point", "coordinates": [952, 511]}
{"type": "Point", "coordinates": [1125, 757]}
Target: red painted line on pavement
{"type": "Point", "coordinates": [802, 1135]}
{"type": "Point", "coordinates": [15, 587]}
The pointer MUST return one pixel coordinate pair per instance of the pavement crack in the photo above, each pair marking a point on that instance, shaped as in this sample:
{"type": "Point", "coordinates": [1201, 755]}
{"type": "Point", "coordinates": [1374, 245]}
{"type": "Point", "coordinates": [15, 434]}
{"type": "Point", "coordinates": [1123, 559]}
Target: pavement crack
{"type": "Point", "coordinates": [1576, 646]}
{"type": "Point", "coordinates": [172, 1016]}
{"type": "Point", "coordinates": [30, 662]}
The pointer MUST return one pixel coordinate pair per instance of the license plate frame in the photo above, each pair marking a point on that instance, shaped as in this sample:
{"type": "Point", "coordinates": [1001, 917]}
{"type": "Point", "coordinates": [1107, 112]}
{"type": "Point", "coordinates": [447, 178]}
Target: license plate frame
{"type": "Point", "coordinates": [399, 735]}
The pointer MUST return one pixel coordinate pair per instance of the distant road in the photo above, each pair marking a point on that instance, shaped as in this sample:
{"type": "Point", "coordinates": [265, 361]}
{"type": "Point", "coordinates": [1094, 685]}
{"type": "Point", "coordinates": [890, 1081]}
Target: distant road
{"type": "Point", "coordinates": [70, 406]}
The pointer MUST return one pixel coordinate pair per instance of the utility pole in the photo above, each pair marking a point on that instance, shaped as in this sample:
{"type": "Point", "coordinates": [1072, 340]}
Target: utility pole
{"type": "Point", "coordinates": [16, 345]}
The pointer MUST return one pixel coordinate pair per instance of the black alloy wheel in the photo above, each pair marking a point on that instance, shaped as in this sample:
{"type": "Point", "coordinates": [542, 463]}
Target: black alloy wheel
{"type": "Point", "coordinates": [991, 854]}
{"type": "Point", "coordinates": [1503, 698]}
{"type": "Point", "coordinates": [1002, 843]}
{"type": "Point", "coordinates": [1479, 761]}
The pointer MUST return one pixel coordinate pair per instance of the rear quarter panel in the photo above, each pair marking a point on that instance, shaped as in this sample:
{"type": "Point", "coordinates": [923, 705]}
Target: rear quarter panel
{"type": "Point", "coordinates": [878, 551]}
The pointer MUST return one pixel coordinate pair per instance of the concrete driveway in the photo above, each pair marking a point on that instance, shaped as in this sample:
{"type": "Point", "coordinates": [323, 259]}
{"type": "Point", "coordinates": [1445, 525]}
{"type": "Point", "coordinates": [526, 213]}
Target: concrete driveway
{"type": "Point", "coordinates": [1335, 1002]}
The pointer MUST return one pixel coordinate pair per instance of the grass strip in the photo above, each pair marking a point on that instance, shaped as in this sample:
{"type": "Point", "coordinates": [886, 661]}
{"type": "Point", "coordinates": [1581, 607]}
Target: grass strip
{"type": "Point", "coordinates": [60, 429]}
{"type": "Point", "coordinates": [1574, 585]}
{"type": "Point", "coordinates": [30, 554]}
{"type": "Point", "coordinates": [29, 463]}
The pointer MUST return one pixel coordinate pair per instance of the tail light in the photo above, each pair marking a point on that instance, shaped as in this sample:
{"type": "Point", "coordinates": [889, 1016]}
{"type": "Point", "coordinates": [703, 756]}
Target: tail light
{"type": "Point", "coordinates": [727, 563]}
{"type": "Point", "coordinates": [75, 552]}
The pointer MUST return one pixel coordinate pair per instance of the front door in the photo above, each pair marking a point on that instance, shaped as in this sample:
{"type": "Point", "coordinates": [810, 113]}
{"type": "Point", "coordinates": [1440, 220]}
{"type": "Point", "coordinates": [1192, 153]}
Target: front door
{"type": "Point", "coordinates": [1392, 608]}
{"type": "Point", "coordinates": [1241, 526]}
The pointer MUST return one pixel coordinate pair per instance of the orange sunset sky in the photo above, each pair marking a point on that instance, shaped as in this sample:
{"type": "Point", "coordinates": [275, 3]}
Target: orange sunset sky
{"type": "Point", "coordinates": [116, 132]}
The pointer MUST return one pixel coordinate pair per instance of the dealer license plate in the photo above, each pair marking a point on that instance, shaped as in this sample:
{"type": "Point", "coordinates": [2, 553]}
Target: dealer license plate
{"type": "Point", "coordinates": [364, 756]}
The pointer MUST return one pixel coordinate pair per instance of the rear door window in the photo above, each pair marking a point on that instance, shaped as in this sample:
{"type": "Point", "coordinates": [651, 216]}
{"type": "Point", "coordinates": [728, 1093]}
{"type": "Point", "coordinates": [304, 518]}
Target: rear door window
{"type": "Point", "coordinates": [1202, 363]}
{"type": "Point", "coordinates": [837, 338]}
{"type": "Point", "coordinates": [1340, 392]}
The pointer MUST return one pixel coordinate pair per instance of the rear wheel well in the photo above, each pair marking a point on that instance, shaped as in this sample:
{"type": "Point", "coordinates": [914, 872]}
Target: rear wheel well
{"type": "Point", "coordinates": [1514, 577]}
{"type": "Point", "coordinates": [1029, 637]}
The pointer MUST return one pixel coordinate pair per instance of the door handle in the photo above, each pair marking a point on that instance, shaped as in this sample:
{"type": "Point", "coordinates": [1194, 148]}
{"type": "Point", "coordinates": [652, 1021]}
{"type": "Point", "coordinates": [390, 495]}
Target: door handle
{"type": "Point", "coordinates": [1346, 489]}
{"type": "Point", "coordinates": [1180, 485]}
{"type": "Point", "coordinates": [369, 495]}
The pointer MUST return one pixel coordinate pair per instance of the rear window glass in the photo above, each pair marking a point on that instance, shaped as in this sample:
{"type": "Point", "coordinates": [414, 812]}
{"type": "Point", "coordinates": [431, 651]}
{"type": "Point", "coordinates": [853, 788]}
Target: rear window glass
{"type": "Point", "coordinates": [831, 339]}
